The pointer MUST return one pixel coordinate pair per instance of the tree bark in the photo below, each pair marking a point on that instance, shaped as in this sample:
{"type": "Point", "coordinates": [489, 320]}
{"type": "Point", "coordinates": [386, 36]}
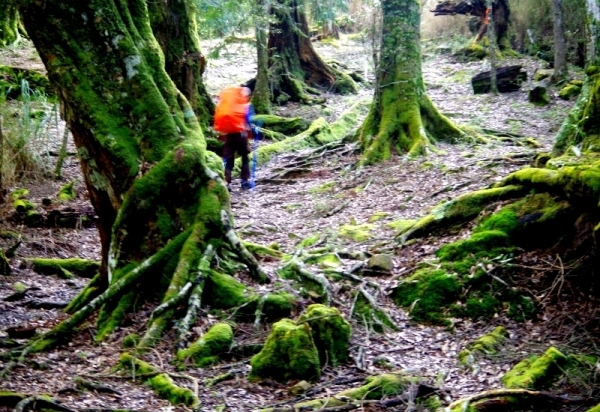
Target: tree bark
{"type": "Point", "coordinates": [560, 43]}
{"type": "Point", "coordinates": [402, 117]}
{"type": "Point", "coordinates": [157, 191]}
{"type": "Point", "coordinates": [261, 98]}
{"type": "Point", "coordinates": [9, 23]}
{"type": "Point", "coordinates": [174, 26]}
{"type": "Point", "coordinates": [293, 61]}
{"type": "Point", "coordinates": [492, 39]}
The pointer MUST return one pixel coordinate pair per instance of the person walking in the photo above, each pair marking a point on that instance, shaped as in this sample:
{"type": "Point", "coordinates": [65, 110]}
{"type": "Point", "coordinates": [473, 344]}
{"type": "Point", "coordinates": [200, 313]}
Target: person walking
{"type": "Point", "coordinates": [233, 116]}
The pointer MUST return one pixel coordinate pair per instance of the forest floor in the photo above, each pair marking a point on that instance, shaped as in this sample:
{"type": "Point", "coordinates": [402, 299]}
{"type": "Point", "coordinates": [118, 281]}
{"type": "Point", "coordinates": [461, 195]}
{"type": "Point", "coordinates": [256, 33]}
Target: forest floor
{"type": "Point", "coordinates": [401, 188]}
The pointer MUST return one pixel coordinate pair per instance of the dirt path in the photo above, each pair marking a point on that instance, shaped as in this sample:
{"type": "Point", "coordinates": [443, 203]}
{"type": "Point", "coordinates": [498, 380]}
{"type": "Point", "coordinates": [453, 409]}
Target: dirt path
{"type": "Point", "coordinates": [399, 189]}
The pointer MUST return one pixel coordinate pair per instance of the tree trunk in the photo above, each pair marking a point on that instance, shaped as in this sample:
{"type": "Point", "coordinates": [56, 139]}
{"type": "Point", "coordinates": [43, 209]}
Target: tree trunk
{"type": "Point", "coordinates": [174, 26]}
{"type": "Point", "coordinates": [261, 98]}
{"type": "Point", "coordinates": [158, 193]}
{"type": "Point", "coordinates": [492, 39]}
{"type": "Point", "coordinates": [560, 43]}
{"type": "Point", "coordinates": [582, 126]}
{"type": "Point", "coordinates": [402, 117]}
{"type": "Point", "coordinates": [293, 61]}
{"type": "Point", "coordinates": [9, 23]}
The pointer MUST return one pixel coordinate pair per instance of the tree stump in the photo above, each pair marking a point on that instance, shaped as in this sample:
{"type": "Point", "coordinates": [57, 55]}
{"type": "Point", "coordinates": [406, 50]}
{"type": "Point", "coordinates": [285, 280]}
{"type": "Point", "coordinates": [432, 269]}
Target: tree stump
{"type": "Point", "coordinates": [509, 79]}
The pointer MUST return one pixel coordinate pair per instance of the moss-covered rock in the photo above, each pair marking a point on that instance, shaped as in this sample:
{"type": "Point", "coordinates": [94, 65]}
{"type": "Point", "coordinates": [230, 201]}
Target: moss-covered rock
{"type": "Point", "coordinates": [206, 350]}
{"type": "Point", "coordinates": [223, 291]}
{"type": "Point", "coordinates": [570, 91]}
{"type": "Point", "coordinates": [23, 205]}
{"type": "Point", "coordinates": [330, 333]}
{"type": "Point", "coordinates": [480, 242]}
{"type": "Point", "coordinates": [487, 344]}
{"type": "Point", "coordinates": [131, 340]}
{"type": "Point", "coordinates": [357, 233]}
{"type": "Point", "coordinates": [82, 267]}
{"type": "Point", "coordinates": [161, 383]}
{"type": "Point", "coordinates": [538, 95]}
{"type": "Point", "coordinates": [289, 353]}
{"type": "Point", "coordinates": [287, 126]}
{"type": "Point", "coordinates": [541, 74]}
{"type": "Point", "coordinates": [536, 372]}
{"type": "Point", "coordinates": [381, 262]}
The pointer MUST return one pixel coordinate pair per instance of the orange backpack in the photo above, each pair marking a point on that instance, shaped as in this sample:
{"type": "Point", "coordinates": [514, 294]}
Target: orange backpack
{"type": "Point", "coordinates": [230, 113]}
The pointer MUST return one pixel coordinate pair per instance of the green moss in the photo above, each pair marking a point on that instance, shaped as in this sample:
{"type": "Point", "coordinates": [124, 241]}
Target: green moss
{"type": "Point", "coordinates": [20, 194]}
{"type": "Point", "coordinates": [263, 251]}
{"type": "Point", "coordinates": [11, 399]}
{"type": "Point", "coordinates": [82, 267]}
{"type": "Point", "coordinates": [595, 408]}
{"type": "Point", "coordinates": [426, 293]}
{"type": "Point", "coordinates": [357, 233]}
{"type": "Point", "coordinates": [378, 216]}
{"type": "Point", "coordinates": [223, 291]}
{"type": "Point", "coordinates": [67, 192]}
{"type": "Point", "coordinates": [487, 344]}
{"type": "Point", "coordinates": [160, 383]}
{"type": "Point", "coordinates": [381, 386]}
{"type": "Point", "coordinates": [480, 242]}
{"type": "Point", "coordinates": [309, 241]}
{"type": "Point", "coordinates": [569, 91]}
{"type": "Point", "coordinates": [330, 332]}
{"type": "Point", "coordinates": [277, 124]}
{"type": "Point", "coordinates": [279, 305]}
{"type": "Point", "coordinates": [402, 225]}
{"type": "Point", "coordinates": [324, 188]}
{"type": "Point", "coordinates": [23, 205]}
{"type": "Point", "coordinates": [536, 372]}
{"type": "Point", "coordinates": [12, 78]}
{"type": "Point", "coordinates": [289, 353]}
{"type": "Point", "coordinates": [131, 340]}
{"type": "Point", "coordinates": [485, 307]}
{"type": "Point", "coordinates": [206, 350]}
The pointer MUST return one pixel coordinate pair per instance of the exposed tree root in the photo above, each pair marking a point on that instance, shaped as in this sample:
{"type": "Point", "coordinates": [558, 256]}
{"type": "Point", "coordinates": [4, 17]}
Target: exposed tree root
{"type": "Point", "coordinates": [500, 399]}
{"type": "Point", "coordinates": [35, 402]}
{"type": "Point", "coordinates": [296, 268]}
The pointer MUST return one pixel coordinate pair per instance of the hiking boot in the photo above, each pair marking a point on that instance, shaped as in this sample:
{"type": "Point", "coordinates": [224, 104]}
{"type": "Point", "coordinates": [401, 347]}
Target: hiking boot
{"type": "Point", "coordinates": [246, 185]}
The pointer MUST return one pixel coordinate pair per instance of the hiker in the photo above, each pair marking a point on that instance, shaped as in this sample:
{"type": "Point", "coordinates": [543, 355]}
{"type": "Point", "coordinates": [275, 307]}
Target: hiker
{"type": "Point", "coordinates": [232, 121]}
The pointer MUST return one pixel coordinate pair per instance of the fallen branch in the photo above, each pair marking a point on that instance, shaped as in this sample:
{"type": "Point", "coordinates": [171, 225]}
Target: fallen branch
{"type": "Point", "coordinates": [483, 400]}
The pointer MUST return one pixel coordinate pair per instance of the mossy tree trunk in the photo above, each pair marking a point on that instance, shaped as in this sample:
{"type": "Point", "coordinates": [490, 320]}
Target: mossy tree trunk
{"type": "Point", "coordinates": [9, 23]}
{"type": "Point", "coordinates": [162, 205]}
{"type": "Point", "coordinates": [261, 98]}
{"type": "Point", "coordinates": [560, 43]}
{"type": "Point", "coordinates": [402, 117]}
{"type": "Point", "coordinates": [174, 26]}
{"type": "Point", "coordinates": [582, 126]}
{"type": "Point", "coordinates": [293, 61]}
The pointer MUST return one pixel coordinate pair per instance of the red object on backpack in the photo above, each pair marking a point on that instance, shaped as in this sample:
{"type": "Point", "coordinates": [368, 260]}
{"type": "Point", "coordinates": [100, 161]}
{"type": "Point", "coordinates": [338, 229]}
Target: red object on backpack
{"type": "Point", "coordinates": [230, 113]}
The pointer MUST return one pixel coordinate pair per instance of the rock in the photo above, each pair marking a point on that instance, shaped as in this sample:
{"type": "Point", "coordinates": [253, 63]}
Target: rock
{"type": "Point", "coordinates": [539, 95]}
{"type": "Point", "coordinates": [570, 91]}
{"type": "Point", "coordinates": [536, 372]}
{"type": "Point", "coordinates": [206, 350]}
{"type": "Point", "coordinates": [541, 74]}
{"type": "Point", "coordinates": [381, 262]}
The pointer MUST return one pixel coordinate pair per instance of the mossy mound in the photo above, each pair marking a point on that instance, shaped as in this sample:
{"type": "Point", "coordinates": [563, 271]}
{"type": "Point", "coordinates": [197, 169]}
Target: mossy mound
{"type": "Point", "coordinates": [82, 267]}
{"type": "Point", "coordinates": [536, 372]}
{"type": "Point", "coordinates": [287, 126]}
{"type": "Point", "coordinates": [289, 353]}
{"type": "Point", "coordinates": [206, 350]}
{"type": "Point", "coordinates": [224, 291]}
{"type": "Point", "coordinates": [330, 333]}
{"type": "Point", "coordinates": [478, 243]}
{"type": "Point", "coordinates": [541, 74]}
{"type": "Point", "coordinates": [539, 95]}
{"type": "Point", "coordinates": [487, 344]}
{"type": "Point", "coordinates": [570, 91]}
{"type": "Point", "coordinates": [357, 233]}
{"type": "Point", "coordinates": [67, 192]}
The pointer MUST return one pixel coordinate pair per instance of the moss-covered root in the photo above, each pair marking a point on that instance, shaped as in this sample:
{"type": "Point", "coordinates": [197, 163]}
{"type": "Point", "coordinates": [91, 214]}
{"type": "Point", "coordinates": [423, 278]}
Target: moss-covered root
{"type": "Point", "coordinates": [315, 282]}
{"type": "Point", "coordinates": [460, 209]}
{"type": "Point", "coordinates": [161, 383]}
{"type": "Point", "coordinates": [206, 350]}
{"type": "Point", "coordinates": [368, 312]}
{"type": "Point", "coordinates": [487, 344]}
{"type": "Point", "coordinates": [536, 372]}
{"type": "Point", "coordinates": [289, 353]}
{"type": "Point", "coordinates": [82, 267]}
{"type": "Point", "coordinates": [511, 400]}
{"type": "Point", "coordinates": [330, 332]}
{"type": "Point", "coordinates": [377, 387]}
